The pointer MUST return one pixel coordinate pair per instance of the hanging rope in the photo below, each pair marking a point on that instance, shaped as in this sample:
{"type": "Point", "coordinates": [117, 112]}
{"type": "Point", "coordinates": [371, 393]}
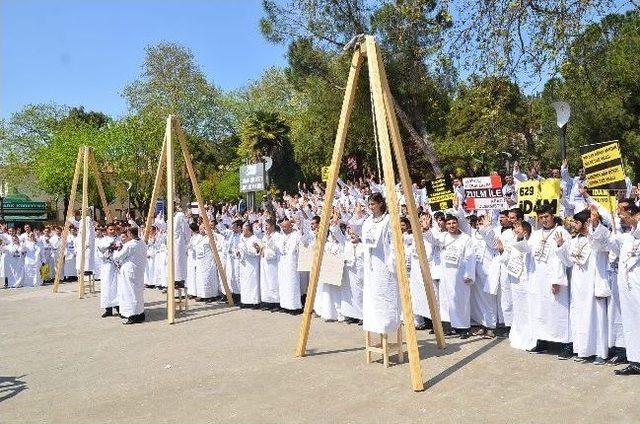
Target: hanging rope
{"type": "Point", "coordinates": [375, 137]}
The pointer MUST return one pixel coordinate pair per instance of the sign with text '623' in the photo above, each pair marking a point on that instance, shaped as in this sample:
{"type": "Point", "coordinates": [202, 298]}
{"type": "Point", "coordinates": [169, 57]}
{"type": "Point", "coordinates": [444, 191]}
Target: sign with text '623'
{"type": "Point", "coordinates": [252, 177]}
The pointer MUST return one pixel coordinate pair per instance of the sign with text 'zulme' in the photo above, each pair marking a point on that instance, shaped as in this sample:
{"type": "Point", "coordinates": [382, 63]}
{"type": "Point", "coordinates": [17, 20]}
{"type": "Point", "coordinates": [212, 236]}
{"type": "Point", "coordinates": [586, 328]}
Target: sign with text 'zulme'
{"type": "Point", "coordinates": [484, 193]}
{"type": "Point", "coordinates": [252, 177]}
{"type": "Point", "coordinates": [534, 193]}
{"type": "Point", "coordinates": [603, 165]}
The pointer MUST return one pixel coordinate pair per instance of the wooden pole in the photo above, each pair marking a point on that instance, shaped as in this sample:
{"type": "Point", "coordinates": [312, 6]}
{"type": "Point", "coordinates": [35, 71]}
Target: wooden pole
{"type": "Point", "coordinates": [83, 220]}
{"type": "Point", "coordinates": [156, 188]}
{"type": "Point", "coordinates": [103, 197]}
{"type": "Point", "coordinates": [338, 150]}
{"type": "Point", "coordinates": [392, 203]}
{"type": "Point", "coordinates": [171, 309]}
{"type": "Point", "coordinates": [65, 231]}
{"type": "Point", "coordinates": [203, 213]}
{"type": "Point", "coordinates": [405, 179]}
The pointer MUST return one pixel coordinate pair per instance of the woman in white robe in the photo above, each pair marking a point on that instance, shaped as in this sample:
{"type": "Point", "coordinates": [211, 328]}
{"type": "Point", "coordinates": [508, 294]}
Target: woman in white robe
{"type": "Point", "coordinates": [180, 233]}
{"type": "Point", "coordinates": [32, 262]}
{"type": "Point", "coordinates": [108, 272]}
{"type": "Point", "coordinates": [587, 255]}
{"type": "Point", "coordinates": [160, 260]}
{"type": "Point", "coordinates": [89, 252]}
{"type": "Point", "coordinates": [269, 292]}
{"type": "Point", "coordinates": [484, 305]}
{"type": "Point", "coordinates": [207, 280]}
{"type": "Point", "coordinates": [149, 271]}
{"type": "Point", "coordinates": [132, 258]}
{"type": "Point", "coordinates": [380, 297]}
{"type": "Point", "coordinates": [327, 301]}
{"type": "Point", "coordinates": [14, 262]}
{"type": "Point", "coordinates": [248, 254]}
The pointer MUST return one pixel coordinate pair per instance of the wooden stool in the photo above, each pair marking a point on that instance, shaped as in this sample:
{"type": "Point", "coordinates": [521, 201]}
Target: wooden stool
{"type": "Point", "coordinates": [88, 282]}
{"type": "Point", "coordinates": [182, 299]}
{"type": "Point", "coordinates": [384, 346]}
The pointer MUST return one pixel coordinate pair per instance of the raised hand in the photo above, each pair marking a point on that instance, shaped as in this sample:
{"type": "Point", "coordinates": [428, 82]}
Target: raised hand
{"type": "Point", "coordinates": [559, 239]}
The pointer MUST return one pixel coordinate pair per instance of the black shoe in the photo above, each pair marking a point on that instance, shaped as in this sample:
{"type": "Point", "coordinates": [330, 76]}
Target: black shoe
{"type": "Point", "coordinates": [617, 359]}
{"type": "Point", "coordinates": [108, 312]}
{"type": "Point", "coordinates": [464, 335]}
{"type": "Point", "coordinates": [631, 369]}
{"type": "Point", "coordinates": [199, 299]}
{"type": "Point", "coordinates": [208, 300]}
{"type": "Point", "coordinates": [423, 326]}
{"type": "Point", "coordinates": [566, 352]}
{"type": "Point", "coordinates": [178, 284]}
{"type": "Point", "coordinates": [540, 347]}
{"type": "Point", "coordinates": [129, 321]}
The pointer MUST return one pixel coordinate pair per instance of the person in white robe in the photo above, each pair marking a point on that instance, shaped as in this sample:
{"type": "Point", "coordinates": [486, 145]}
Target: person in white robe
{"type": "Point", "coordinates": [484, 304]}
{"type": "Point", "coordinates": [549, 286]}
{"type": "Point", "coordinates": [380, 296]}
{"type": "Point", "coordinates": [5, 240]}
{"type": "Point", "coordinates": [181, 233]}
{"type": "Point", "coordinates": [207, 280]}
{"type": "Point", "coordinates": [105, 246]}
{"type": "Point", "coordinates": [519, 264]}
{"type": "Point", "coordinates": [48, 254]}
{"type": "Point", "coordinates": [587, 256]}
{"type": "Point", "coordinates": [131, 260]}
{"type": "Point", "coordinates": [327, 301]}
{"type": "Point", "coordinates": [194, 239]}
{"type": "Point", "coordinates": [14, 262]}
{"type": "Point", "coordinates": [232, 238]}
{"type": "Point", "coordinates": [352, 276]}
{"type": "Point", "coordinates": [160, 259]}
{"type": "Point", "coordinates": [56, 251]}
{"type": "Point", "coordinates": [32, 262]}
{"type": "Point", "coordinates": [149, 272]}
{"type": "Point", "coordinates": [89, 247]}
{"type": "Point", "coordinates": [627, 246]}
{"type": "Point", "coordinates": [288, 247]}
{"type": "Point", "coordinates": [69, 270]}
{"type": "Point", "coordinates": [419, 302]}
{"type": "Point", "coordinates": [97, 257]}
{"type": "Point", "coordinates": [248, 254]}
{"type": "Point", "coordinates": [458, 273]}
{"type": "Point", "coordinates": [269, 291]}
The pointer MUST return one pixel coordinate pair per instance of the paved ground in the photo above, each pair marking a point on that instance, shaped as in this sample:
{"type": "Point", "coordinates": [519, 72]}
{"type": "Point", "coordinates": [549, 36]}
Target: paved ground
{"type": "Point", "coordinates": [61, 363]}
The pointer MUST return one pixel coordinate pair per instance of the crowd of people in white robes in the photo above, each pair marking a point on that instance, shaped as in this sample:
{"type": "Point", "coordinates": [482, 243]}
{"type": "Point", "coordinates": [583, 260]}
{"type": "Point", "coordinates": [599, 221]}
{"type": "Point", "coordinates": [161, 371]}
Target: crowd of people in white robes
{"type": "Point", "coordinates": [566, 282]}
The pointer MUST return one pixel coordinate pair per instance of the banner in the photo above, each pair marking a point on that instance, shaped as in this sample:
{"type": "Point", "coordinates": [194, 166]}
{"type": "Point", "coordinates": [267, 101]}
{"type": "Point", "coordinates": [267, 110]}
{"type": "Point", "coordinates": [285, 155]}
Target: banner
{"type": "Point", "coordinates": [324, 174]}
{"type": "Point", "coordinates": [604, 198]}
{"type": "Point", "coordinates": [603, 165]}
{"type": "Point", "coordinates": [484, 193]}
{"type": "Point", "coordinates": [534, 193]}
{"type": "Point", "coordinates": [441, 194]}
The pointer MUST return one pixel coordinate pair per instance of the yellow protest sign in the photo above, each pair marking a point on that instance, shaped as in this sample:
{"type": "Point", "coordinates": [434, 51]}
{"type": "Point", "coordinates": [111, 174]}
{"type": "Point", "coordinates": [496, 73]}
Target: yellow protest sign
{"type": "Point", "coordinates": [603, 197]}
{"type": "Point", "coordinates": [533, 193]}
{"type": "Point", "coordinates": [603, 165]}
{"type": "Point", "coordinates": [324, 174]}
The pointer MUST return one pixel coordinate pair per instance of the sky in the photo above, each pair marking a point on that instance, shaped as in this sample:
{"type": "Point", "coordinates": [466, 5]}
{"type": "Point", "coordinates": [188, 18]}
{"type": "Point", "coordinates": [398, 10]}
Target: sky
{"type": "Point", "coordinates": [83, 53]}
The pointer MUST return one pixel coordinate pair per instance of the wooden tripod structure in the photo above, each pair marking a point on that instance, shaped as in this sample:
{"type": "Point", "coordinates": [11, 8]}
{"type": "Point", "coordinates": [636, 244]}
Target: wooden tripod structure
{"type": "Point", "coordinates": [389, 135]}
{"type": "Point", "coordinates": [85, 159]}
{"type": "Point", "coordinates": [166, 163]}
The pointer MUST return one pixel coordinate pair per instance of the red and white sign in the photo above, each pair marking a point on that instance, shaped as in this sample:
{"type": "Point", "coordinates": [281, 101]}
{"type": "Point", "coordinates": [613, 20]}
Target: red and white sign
{"type": "Point", "coordinates": [484, 193]}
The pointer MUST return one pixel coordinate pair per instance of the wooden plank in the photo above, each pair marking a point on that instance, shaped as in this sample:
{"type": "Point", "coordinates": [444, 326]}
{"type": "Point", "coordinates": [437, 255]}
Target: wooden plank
{"type": "Point", "coordinates": [412, 210]}
{"type": "Point", "coordinates": [65, 231]}
{"type": "Point", "coordinates": [171, 284]}
{"type": "Point", "coordinates": [83, 219]}
{"type": "Point", "coordinates": [157, 186]}
{"type": "Point", "coordinates": [392, 203]}
{"type": "Point", "coordinates": [103, 197]}
{"type": "Point", "coordinates": [336, 159]}
{"type": "Point", "coordinates": [203, 213]}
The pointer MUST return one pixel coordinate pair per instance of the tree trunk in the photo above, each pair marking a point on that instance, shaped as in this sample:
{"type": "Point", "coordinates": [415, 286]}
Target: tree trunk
{"type": "Point", "coordinates": [422, 139]}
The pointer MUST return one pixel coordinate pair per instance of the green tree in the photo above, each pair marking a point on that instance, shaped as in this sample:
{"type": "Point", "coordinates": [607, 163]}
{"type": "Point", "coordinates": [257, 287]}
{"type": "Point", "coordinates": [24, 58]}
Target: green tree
{"type": "Point", "coordinates": [267, 134]}
{"type": "Point", "coordinates": [488, 116]}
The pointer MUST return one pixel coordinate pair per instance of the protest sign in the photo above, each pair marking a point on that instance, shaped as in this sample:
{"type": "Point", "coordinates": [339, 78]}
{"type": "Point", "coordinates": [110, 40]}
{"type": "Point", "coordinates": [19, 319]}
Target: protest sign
{"type": "Point", "coordinates": [534, 193]}
{"type": "Point", "coordinates": [603, 165]}
{"type": "Point", "coordinates": [604, 198]}
{"type": "Point", "coordinates": [332, 265]}
{"type": "Point", "coordinates": [324, 174]}
{"type": "Point", "coordinates": [440, 194]}
{"type": "Point", "coordinates": [484, 193]}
